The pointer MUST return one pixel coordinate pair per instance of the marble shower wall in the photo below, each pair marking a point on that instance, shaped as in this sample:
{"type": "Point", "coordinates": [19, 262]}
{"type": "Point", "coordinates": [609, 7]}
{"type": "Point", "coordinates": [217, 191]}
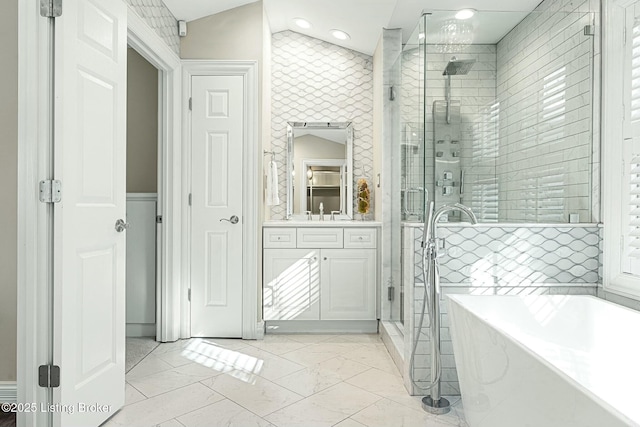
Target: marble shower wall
{"type": "Point", "coordinates": [529, 110]}
{"type": "Point", "coordinates": [544, 88]}
{"type": "Point", "coordinates": [476, 93]}
{"type": "Point", "coordinates": [313, 80]}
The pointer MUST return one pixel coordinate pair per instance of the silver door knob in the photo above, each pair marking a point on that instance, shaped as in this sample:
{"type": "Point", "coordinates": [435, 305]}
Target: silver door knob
{"type": "Point", "coordinates": [233, 220]}
{"type": "Point", "coordinates": [121, 225]}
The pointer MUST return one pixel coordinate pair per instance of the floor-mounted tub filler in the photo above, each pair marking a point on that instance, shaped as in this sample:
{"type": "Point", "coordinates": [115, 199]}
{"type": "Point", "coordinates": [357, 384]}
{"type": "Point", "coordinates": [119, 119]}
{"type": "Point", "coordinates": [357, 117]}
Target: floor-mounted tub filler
{"type": "Point", "coordinates": [552, 361]}
{"type": "Point", "coordinates": [433, 403]}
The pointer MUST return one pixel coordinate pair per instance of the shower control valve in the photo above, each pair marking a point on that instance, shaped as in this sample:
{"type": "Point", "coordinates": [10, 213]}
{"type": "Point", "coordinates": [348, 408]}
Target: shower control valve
{"type": "Point", "coordinates": [434, 246]}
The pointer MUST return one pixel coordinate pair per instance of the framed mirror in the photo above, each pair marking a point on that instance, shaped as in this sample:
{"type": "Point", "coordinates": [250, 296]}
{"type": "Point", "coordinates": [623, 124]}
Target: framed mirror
{"type": "Point", "coordinates": [319, 159]}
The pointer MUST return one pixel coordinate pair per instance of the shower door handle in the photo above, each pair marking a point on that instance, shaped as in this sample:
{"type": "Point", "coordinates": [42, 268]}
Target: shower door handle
{"type": "Point", "coordinates": [461, 182]}
{"type": "Point", "coordinates": [233, 220]}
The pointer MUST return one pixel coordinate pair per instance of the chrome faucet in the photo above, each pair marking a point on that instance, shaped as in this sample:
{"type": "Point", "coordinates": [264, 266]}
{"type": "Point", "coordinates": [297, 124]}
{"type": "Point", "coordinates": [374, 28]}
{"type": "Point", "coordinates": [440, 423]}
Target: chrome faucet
{"type": "Point", "coordinates": [430, 236]}
{"type": "Point", "coordinates": [308, 215]}
{"type": "Point", "coordinates": [449, 208]}
{"type": "Point", "coordinates": [321, 217]}
{"type": "Point", "coordinates": [435, 403]}
{"type": "Point", "coordinates": [333, 215]}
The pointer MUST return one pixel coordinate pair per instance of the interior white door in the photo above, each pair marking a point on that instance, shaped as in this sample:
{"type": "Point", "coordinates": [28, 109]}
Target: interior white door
{"type": "Point", "coordinates": [217, 124]}
{"type": "Point", "coordinates": [89, 254]}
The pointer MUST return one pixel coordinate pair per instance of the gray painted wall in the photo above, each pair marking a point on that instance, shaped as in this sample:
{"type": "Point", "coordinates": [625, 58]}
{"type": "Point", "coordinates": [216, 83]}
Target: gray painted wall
{"type": "Point", "coordinates": [233, 34]}
{"type": "Point", "coordinates": [9, 179]}
{"type": "Point", "coordinates": [142, 124]}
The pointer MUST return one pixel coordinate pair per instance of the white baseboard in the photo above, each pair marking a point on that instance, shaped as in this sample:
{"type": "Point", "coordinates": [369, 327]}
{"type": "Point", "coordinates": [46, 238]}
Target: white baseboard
{"type": "Point", "coordinates": [8, 391]}
{"type": "Point", "coordinates": [321, 326]}
{"type": "Point", "coordinates": [141, 330]}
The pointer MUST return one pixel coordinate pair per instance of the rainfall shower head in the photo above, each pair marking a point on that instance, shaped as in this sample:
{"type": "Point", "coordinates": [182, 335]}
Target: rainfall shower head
{"type": "Point", "coordinates": [458, 67]}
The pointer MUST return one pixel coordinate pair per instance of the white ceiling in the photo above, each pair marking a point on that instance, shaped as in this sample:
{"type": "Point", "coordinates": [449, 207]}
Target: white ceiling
{"type": "Point", "coordinates": [363, 19]}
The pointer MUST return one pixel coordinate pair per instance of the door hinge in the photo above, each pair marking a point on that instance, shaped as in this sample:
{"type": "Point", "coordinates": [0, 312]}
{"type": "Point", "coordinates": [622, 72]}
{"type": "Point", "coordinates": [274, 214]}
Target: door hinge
{"type": "Point", "coordinates": [189, 295]}
{"type": "Point", "coordinates": [391, 293]}
{"type": "Point", "coordinates": [190, 104]}
{"type": "Point", "coordinates": [50, 191]}
{"type": "Point", "coordinates": [589, 30]}
{"type": "Point", "coordinates": [158, 219]}
{"type": "Point", "coordinates": [49, 376]}
{"type": "Point", "coordinates": [190, 199]}
{"type": "Point", "coordinates": [50, 8]}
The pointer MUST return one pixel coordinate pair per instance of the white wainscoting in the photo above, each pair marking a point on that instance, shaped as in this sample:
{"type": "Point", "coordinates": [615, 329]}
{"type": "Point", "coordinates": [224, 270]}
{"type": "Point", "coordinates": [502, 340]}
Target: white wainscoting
{"type": "Point", "coordinates": [8, 391]}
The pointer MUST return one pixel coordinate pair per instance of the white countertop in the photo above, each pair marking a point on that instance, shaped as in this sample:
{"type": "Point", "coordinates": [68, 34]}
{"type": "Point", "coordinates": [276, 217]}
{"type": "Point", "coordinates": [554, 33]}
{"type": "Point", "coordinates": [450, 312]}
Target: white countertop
{"type": "Point", "coordinates": [326, 223]}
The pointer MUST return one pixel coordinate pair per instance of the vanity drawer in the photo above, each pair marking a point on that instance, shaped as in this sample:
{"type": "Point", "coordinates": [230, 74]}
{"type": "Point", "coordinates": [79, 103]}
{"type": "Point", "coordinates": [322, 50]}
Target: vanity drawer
{"type": "Point", "coordinates": [355, 238]}
{"type": "Point", "coordinates": [279, 238]}
{"type": "Point", "coordinates": [319, 238]}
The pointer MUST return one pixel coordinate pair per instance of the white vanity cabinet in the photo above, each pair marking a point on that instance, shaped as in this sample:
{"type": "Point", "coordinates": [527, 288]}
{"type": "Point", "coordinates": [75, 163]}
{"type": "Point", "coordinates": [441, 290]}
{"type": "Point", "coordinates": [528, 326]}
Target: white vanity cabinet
{"type": "Point", "coordinates": [348, 284]}
{"type": "Point", "coordinates": [320, 279]}
{"type": "Point", "coordinates": [291, 286]}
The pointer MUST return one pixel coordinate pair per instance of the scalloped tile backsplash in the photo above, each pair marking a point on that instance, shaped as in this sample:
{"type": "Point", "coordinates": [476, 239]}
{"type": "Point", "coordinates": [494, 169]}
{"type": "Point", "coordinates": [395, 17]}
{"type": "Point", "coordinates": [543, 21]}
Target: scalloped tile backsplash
{"type": "Point", "coordinates": [160, 18]}
{"type": "Point", "coordinates": [313, 80]}
{"type": "Point", "coordinates": [503, 256]}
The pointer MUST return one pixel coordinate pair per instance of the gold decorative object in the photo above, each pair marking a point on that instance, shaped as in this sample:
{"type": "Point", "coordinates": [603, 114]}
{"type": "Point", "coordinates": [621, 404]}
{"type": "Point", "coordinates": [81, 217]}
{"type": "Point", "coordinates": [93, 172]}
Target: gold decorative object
{"type": "Point", "coordinates": [363, 195]}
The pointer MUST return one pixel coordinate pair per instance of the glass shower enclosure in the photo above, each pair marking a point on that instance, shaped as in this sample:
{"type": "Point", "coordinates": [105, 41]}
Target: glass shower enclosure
{"type": "Point", "coordinates": [497, 113]}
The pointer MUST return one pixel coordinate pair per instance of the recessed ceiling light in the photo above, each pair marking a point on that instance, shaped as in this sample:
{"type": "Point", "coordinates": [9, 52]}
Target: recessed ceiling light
{"type": "Point", "coordinates": [302, 23]}
{"type": "Point", "coordinates": [340, 35]}
{"type": "Point", "coordinates": [465, 13]}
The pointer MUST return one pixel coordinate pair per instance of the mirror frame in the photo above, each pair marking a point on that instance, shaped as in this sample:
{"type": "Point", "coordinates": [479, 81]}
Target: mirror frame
{"type": "Point", "coordinates": [348, 126]}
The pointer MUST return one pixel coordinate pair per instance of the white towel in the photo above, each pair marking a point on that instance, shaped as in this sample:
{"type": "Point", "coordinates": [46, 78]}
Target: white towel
{"type": "Point", "coordinates": [272, 184]}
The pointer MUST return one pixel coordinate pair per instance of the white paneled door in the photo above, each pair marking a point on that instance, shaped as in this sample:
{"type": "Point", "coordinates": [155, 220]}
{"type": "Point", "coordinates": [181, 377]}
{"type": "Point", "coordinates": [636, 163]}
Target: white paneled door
{"type": "Point", "coordinates": [217, 123]}
{"type": "Point", "coordinates": [89, 253]}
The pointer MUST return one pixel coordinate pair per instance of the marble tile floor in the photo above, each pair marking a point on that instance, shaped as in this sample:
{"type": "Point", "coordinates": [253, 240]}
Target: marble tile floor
{"type": "Point", "coordinates": [281, 381]}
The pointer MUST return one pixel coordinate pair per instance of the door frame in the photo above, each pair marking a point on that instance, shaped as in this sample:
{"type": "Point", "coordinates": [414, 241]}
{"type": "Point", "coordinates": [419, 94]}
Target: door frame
{"type": "Point", "coordinates": [251, 329]}
{"type": "Point", "coordinates": [34, 323]}
{"type": "Point", "coordinates": [144, 40]}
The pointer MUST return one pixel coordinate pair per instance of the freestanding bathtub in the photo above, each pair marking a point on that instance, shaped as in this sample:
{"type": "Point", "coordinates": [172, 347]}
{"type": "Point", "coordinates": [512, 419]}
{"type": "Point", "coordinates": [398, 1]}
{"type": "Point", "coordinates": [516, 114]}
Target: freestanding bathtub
{"type": "Point", "coordinates": [546, 361]}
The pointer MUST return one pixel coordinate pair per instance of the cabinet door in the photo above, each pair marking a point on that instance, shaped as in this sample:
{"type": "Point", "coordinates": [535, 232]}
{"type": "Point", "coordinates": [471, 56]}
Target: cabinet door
{"type": "Point", "coordinates": [291, 284]}
{"type": "Point", "coordinates": [348, 290]}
